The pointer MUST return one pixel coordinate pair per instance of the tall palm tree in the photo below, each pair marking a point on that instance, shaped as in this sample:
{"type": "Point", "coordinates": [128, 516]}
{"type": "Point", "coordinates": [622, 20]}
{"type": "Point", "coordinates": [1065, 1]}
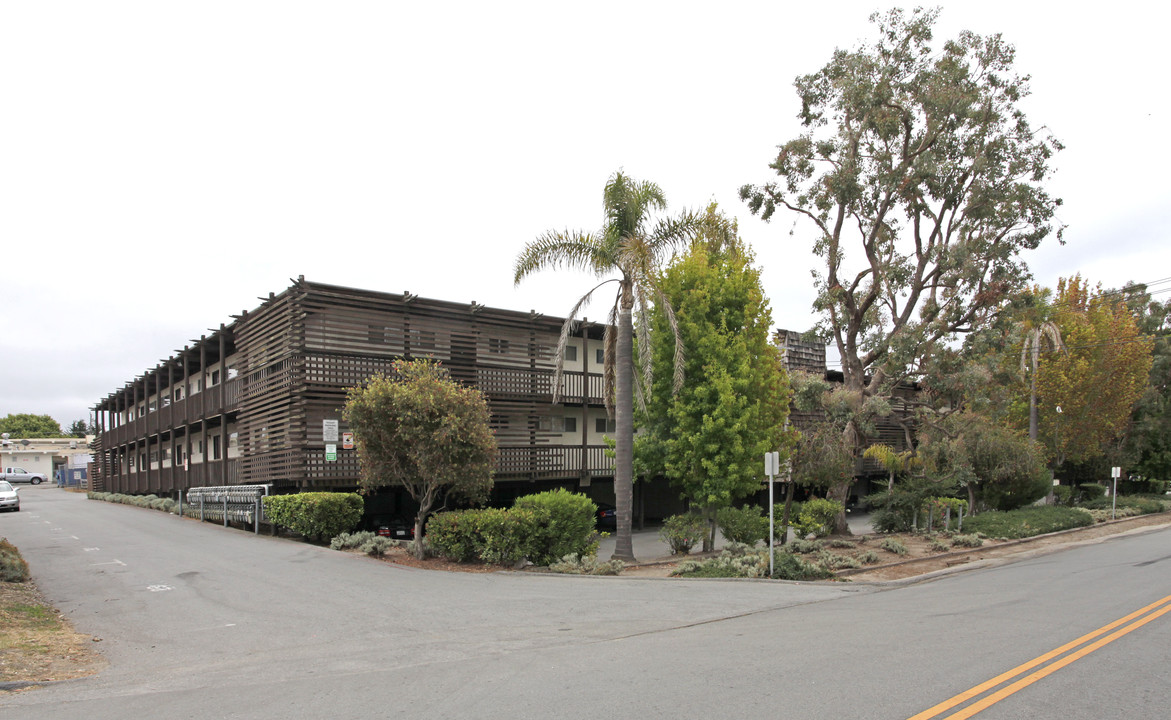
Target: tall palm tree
{"type": "Point", "coordinates": [630, 246]}
{"type": "Point", "coordinates": [1046, 331]}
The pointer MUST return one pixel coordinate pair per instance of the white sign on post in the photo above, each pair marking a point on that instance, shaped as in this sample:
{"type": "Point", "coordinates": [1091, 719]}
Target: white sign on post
{"type": "Point", "coordinates": [772, 466]}
{"type": "Point", "coordinates": [329, 429]}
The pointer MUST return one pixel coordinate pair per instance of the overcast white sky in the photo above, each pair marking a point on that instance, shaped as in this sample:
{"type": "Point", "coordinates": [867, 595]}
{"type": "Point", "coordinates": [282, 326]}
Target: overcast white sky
{"type": "Point", "coordinates": [163, 164]}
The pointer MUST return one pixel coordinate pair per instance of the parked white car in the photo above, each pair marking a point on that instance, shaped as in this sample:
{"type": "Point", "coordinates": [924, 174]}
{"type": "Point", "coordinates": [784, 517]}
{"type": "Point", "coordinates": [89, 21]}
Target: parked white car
{"type": "Point", "coordinates": [9, 499]}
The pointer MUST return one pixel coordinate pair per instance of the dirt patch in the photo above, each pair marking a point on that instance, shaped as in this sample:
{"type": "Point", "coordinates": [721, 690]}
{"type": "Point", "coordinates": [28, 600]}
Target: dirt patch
{"type": "Point", "coordinates": [37, 644]}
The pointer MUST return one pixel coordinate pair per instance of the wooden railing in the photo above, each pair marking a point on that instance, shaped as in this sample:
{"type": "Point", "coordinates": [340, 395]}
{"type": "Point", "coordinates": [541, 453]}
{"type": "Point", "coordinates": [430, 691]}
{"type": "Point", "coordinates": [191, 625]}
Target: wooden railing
{"type": "Point", "coordinates": [546, 460]}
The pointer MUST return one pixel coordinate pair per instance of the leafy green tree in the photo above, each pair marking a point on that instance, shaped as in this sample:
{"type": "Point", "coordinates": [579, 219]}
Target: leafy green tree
{"type": "Point", "coordinates": [27, 425]}
{"type": "Point", "coordinates": [1148, 443]}
{"type": "Point", "coordinates": [922, 181]}
{"type": "Point", "coordinates": [1001, 468]}
{"type": "Point", "coordinates": [630, 246]}
{"type": "Point", "coordinates": [422, 431]}
{"type": "Point", "coordinates": [81, 428]}
{"type": "Point", "coordinates": [709, 437]}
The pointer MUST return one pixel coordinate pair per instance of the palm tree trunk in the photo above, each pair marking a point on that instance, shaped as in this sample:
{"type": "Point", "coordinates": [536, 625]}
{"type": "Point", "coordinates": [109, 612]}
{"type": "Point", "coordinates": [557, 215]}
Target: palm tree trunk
{"type": "Point", "coordinates": [624, 427]}
{"type": "Point", "coordinates": [1033, 406]}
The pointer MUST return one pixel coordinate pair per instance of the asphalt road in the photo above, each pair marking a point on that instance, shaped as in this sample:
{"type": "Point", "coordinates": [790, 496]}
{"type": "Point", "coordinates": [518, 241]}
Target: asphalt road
{"type": "Point", "coordinates": [202, 622]}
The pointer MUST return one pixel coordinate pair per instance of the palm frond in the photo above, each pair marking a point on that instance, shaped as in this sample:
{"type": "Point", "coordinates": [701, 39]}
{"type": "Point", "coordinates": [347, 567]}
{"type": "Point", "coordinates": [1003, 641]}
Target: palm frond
{"type": "Point", "coordinates": [567, 329]}
{"type": "Point", "coordinates": [577, 250]}
{"type": "Point", "coordinates": [680, 351]}
{"type": "Point", "coordinates": [609, 356]}
{"type": "Point", "coordinates": [672, 232]}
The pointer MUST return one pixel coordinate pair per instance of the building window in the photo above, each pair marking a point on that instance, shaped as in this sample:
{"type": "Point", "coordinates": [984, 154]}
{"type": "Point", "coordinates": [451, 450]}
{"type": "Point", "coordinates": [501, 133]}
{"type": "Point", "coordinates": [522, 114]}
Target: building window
{"type": "Point", "coordinates": [498, 346]}
{"type": "Point", "coordinates": [154, 456]}
{"type": "Point", "coordinates": [200, 447]}
{"type": "Point", "coordinates": [178, 394]}
{"type": "Point", "coordinates": [215, 378]}
{"type": "Point", "coordinates": [545, 423]}
{"type": "Point", "coordinates": [215, 447]}
{"type": "Point", "coordinates": [570, 424]}
{"type": "Point", "coordinates": [600, 356]}
{"type": "Point", "coordinates": [179, 455]}
{"type": "Point", "coordinates": [604, 425]}
{"type": "Point", "coordinates": [421, 341]}
{"type": "Point", "coordinates": [233, 440]}
{"type": "Point", "coordinates": [571, 353]}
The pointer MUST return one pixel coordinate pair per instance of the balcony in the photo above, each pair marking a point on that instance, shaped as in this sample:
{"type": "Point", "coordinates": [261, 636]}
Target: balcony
{"type": "Point", "coordinates": [553, 461]}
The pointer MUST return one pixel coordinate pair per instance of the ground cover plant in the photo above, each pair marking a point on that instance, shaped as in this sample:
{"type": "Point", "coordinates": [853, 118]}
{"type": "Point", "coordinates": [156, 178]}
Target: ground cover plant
{"type": "Point", "coordinates": [1027, 521]}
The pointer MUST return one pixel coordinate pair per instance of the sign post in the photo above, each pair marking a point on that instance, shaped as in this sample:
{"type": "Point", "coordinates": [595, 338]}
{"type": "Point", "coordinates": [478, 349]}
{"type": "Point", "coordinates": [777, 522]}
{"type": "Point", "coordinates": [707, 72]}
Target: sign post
{"type": "Point", "coordinates": [329, 434]}
{"type": "Point", "coordinates": [1115, 472]}
{"type": "Point", "coordinates": [772, 461]}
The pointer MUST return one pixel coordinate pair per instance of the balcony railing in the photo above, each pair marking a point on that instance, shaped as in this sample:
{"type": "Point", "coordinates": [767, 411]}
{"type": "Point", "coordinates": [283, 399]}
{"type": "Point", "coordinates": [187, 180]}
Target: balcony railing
{"type": "Point", "coordinates": [526, 383]}
{"type": "Point", "coordinates": [553, 460]}
{"type": "Point", "coordinates": [187, 411]}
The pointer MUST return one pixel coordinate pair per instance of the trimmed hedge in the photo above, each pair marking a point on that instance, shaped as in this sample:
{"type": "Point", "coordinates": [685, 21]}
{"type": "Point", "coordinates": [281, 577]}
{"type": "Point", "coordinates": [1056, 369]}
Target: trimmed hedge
{"type": "Point", "coordinates": [543, 527]}
{"type": "Point", "coordinates": [565, 525]}
{"type": "Point", "coordinates": [491, 535]}
{"type": "Point", "coordinates": [13, 568]}
{"type": "Point", "coordinates": [1027, 521]}
{"type": "Point", "coordinates": [315, 515]}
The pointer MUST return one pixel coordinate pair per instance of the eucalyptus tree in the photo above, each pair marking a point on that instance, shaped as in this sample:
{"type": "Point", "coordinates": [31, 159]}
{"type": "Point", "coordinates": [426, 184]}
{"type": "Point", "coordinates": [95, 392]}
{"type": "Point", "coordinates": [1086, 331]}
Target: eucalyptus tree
{"type": "Point", "coordinates": [922, 182]}
{"type": "Point", "coordinates": [631, 245]}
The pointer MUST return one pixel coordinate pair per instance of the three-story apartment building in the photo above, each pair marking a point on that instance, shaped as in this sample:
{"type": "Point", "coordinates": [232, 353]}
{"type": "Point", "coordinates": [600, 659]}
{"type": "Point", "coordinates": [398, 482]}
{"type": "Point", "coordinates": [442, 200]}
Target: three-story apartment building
{"type": "Point", "coordinates": [246, 403]}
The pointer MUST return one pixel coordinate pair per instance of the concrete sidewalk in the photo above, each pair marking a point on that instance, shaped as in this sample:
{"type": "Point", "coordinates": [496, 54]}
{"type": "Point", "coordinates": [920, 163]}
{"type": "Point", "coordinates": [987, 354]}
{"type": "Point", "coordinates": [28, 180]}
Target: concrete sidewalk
{"type": "Point", "coordinates": [649, 547]}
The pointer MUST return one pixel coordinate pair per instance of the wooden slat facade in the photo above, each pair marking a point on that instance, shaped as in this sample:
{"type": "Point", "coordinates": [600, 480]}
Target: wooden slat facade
{"type": "Point", "coordinates": [245, 404]}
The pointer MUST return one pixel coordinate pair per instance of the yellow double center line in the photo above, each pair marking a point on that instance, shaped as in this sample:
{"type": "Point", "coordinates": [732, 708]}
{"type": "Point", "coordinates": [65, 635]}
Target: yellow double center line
{"type": "Point", "coordinates": [1152, 611]}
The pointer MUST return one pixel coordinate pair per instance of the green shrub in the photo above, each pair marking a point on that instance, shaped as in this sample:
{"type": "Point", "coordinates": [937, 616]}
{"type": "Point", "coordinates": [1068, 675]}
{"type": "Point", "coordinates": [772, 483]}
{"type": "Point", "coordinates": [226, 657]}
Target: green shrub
{"type": "Point", "coordinates": [376, 546]}
{"type": "Point", "coordinates": [894, 510]}
{"type": "Point", "coordinates": [1063, 494]}
{"type": "Point", "coordinates": [1027, 521]}
{"type": "Point", "coordinates": [800, 545]}
{"type": "Point", "coordinates": [455, 535]}
{"type": "Point", "coordinates": [740, 561]}
{"type": "Point", "coordinates": [868, 558]}
{"type": "Point", "coordinates": [315, 514]}
{"type": "Point", "coordinates": [349, 541]}
{"type": "Point", "coordinates": [833, 561]}
{"type": "Point", "coordinates": [13, 568]}
{"type": "Point", "coordinates": [1144, 486]}
{"type": "Point", "coordinates": [893, 546]}
{"type": "Point", "coordinates": [491, 535]}
{"type": "Point", "coordinates": [1089, 491]}
{"type": "Point", "coordinates": [508, 535]}
{"type": "Point", "coordinates": [746, 525]}
{"type": "Point", "coordinates": [840, 544]}
{"type": "Point", "coordinates": [817, 517]}
{"type": "Point", "coordinates": [565, 525]}
{"type": "Point", "coordinates": [970, 541]}
{"type": "Point", "coordinates": [1141, 505]}
{"type": "Point", "coordinates": [939, 546]}
{"type": "Point", "coordinates": [683, 532]}
{"type": "Point", "coordinates": [586, 565]}
{"type": "Point", "coordinates": [779, 516]}
{"type": "Point", "coordinates": [787, 566]}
